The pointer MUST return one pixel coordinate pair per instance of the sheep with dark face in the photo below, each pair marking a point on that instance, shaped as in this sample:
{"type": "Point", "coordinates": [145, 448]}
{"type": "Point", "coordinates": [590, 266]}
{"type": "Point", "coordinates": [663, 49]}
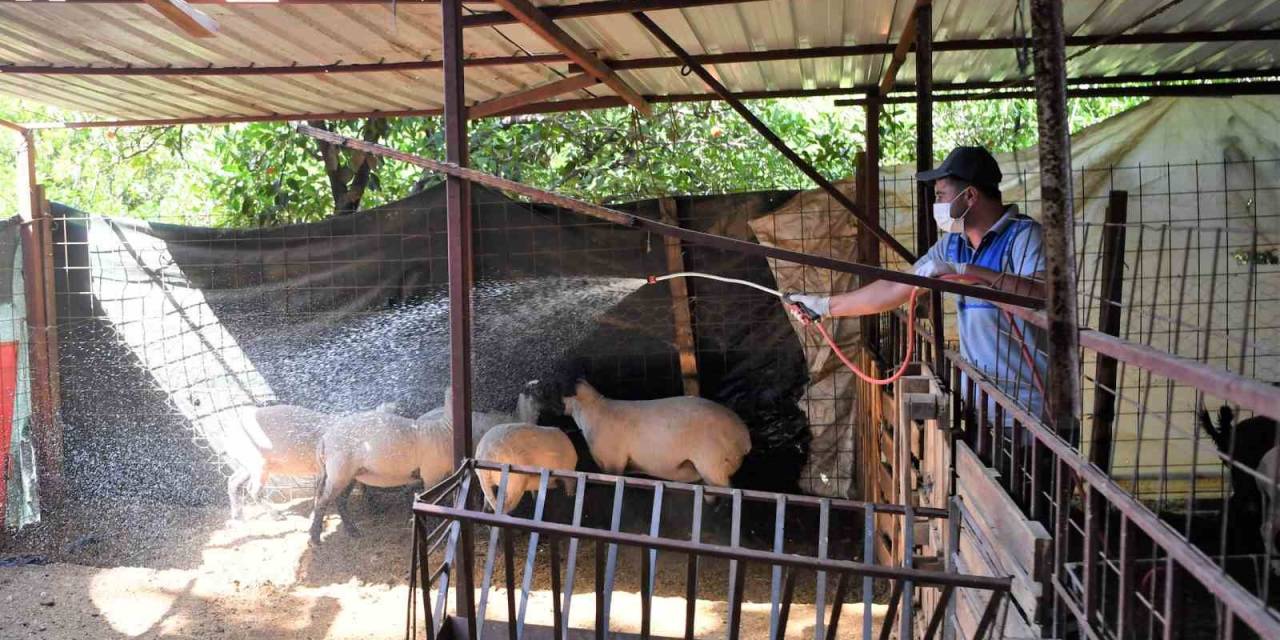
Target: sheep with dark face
{"type": "Point", "coordinates": [527, 410]}
{"type": "Point", "coordinates": [1251, 444]}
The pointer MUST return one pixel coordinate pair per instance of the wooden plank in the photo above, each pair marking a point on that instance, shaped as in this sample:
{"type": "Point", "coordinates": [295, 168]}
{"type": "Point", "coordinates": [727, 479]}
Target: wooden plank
{"type": "Point", "coordinates": [45, 230]}
{"type": "Point", "coordinates": [900, 52]}
{"type": "Point", "coordinates": [988, 562]}
{"type": "Point", "coordinates": [1022, 541]}
{"type": "Point", "coordinates": [970, 604]}
{"type": "Point", "coordinates": [193, 21]}
{"type": "Point", "coordinates": [685, 342]}
{"type": "Point", "coordinates": [545, 28]}
{"type": "Point", "coordinates": [534, 94]}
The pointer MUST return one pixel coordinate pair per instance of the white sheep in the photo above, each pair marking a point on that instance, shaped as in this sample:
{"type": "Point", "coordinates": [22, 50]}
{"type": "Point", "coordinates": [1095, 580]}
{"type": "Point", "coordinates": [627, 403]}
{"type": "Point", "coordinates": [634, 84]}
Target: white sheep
{"type": "Point", "coordinates": [378, 449]}
{"type": "Point", "coordinates": [684, 439]}
{"type": "Point", "coordinates": [287, 446]}
{"type": "Point", "coordinates": [528, 445]}
{"type": "Point", "coordinates": [527, 410]}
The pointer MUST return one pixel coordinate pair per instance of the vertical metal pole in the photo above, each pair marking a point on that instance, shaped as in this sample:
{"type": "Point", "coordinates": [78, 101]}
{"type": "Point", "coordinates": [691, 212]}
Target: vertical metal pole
{"type": "Point", "coordinates": [926, 232]}
{"type": "Point", "coordinates": [869, 195]}
{"type": "Point", "coordinates": [35, 235]}
{"type": "Point", "coordinates": [1105, 378]}
{"type": "Point", "coordinates": [1063, 387]}
{"type": "Point", "coordinates": [458, 199]}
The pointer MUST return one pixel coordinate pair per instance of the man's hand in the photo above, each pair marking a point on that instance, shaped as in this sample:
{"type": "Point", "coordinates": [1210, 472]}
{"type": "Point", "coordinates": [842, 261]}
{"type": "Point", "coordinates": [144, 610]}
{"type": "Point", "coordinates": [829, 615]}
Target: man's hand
{"type": "Point", "coordinates": [929, 268]}
{"type": "Point", "coordinates": [817, 305]}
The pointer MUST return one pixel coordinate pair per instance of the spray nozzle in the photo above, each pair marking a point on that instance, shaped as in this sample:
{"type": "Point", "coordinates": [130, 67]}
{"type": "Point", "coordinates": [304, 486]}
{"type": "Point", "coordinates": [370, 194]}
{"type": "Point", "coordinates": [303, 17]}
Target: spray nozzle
{"type": "Point", "coordinates": [803, 313]}
{"type": "Point", "coordinates": [652, 279]}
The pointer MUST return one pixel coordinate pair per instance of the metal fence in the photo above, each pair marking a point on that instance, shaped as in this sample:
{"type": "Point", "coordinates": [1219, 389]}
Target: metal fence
{"type": "Point", "coordinates": [447, 514]}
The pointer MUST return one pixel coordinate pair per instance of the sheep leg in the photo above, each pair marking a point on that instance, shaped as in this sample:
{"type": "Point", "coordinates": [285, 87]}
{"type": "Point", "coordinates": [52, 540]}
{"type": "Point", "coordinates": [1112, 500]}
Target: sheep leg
{"type": "Point", "coordinates": [234, 483]}
{"type": "Point", "coordinates": [569, 485]}
{"type": "Point", "coordinates": [712, 474]}
{"type": "Point", "coordinates": [348, 523]}
{"type": "Point", "coordinates": [326, 491]}
{"type": "Point", "coordinates": [486, 487]}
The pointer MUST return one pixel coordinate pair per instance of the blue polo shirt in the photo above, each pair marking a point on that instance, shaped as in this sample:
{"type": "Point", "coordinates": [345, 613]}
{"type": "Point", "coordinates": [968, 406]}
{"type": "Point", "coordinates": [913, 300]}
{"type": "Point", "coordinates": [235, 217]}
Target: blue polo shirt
{"type": "Point", "coordinates": [1011, 245]}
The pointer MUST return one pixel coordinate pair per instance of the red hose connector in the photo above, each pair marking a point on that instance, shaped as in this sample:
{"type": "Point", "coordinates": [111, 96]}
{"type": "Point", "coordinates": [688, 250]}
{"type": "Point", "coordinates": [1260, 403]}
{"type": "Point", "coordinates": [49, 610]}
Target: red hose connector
{"type": "Point", "coordinates": [652, 279]}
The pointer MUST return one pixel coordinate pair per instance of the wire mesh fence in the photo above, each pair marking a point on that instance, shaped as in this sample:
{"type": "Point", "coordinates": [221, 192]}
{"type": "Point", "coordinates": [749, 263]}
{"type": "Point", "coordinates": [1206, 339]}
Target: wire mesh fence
{"type": "Point", "coordinates": [173, 335]}
{"type": "Point", "coordinates": [1175, 259]}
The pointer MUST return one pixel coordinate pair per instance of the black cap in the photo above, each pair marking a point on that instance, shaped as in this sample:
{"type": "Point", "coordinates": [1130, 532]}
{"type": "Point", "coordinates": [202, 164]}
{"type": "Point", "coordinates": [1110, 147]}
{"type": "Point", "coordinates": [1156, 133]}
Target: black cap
{"type": "Point", "coordinates": [971, 164]}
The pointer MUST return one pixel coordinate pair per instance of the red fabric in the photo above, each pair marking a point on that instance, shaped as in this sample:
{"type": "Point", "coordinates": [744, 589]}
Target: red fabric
{"type": "Point", "coordinates": [8, 385]}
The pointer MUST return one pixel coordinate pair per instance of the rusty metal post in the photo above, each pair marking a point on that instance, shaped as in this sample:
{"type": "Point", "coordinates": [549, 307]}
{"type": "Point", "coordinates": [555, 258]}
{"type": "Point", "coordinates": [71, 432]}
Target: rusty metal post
{"type": "Point", "coordinates": [35, 234]}
{"type": "Point", "coordinates": [869, 198]}
{"type": "Point", "coordinates": [458, 199]}
{"type": "Point", "coordinates": [1104, 394]}
{"type": "Point", "coordinates": [926, 231]}
{"type": "Point", "coordinates": [1063, 388]}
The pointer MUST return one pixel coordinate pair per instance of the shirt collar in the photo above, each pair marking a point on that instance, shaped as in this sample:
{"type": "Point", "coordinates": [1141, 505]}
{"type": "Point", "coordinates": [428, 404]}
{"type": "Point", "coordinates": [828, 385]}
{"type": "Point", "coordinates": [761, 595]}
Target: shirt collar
{"type": "Point", "coordinates": [1010, 213]}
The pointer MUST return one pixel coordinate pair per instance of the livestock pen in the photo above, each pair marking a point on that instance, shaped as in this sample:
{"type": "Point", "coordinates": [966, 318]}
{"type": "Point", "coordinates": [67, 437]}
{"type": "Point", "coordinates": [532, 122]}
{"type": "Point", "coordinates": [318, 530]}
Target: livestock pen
{"type": "Point", "coordinates": [936, 505]}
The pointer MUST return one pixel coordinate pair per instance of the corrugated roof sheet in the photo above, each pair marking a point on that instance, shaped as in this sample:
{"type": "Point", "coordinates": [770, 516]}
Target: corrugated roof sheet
{"type": "Point", "coordinates": [127, 33]}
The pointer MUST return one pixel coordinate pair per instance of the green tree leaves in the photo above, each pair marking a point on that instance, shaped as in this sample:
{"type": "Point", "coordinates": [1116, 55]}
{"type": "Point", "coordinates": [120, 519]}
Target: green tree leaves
{"type": "Point", "coordinates": [265, 174]}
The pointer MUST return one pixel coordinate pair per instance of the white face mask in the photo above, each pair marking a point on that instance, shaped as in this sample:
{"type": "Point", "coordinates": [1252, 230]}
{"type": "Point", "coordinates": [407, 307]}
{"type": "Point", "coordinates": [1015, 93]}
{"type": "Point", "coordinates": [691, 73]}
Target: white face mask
{"type": "Point", "coordinates": [947, 223]}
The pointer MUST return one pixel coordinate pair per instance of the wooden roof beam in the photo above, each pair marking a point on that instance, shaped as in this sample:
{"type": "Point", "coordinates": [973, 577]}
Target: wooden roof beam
{"type": "Point", "coordinates": [588, 9]}
{"type": "Point", "coordinates": [530, 96]}
{"type": "Point", "coordinates": [545, 28]}
{"type": "Point", "coordinates": [190, 20]}
{"type": "Point", "coordinates": [905, 44]}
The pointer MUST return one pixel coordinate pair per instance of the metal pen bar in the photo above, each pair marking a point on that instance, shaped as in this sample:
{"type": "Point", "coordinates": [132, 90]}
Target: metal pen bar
{"type": "Point", "coordinates": [775, 580]}
{"type": "Point", "coordinates": [868, 555]}
{"type": "Point", "coordinates": [527, 582]}
{"type": "Point", "coordinates": [788, 592]}
{"type": "Point", "coordinates": [655, 526]}
{"type": "Point", "coordinates": [615, 524]}
{"type": "Point", "coordinates": [820, 585]}
{"type": "Point", "coordinates": [646, 593]}
{"type": "Point", "coordinates": [557, 614]}
{"type": "Point", "coordinates": [989, 615]}
{"type": "Point", "coordinates": [842, 590]}
{"type": "Point", "coordinates": [886, 629]}
{"type": "Point", "coordinates": [735, 571]}
{"type": "Point", "coordinates": [839, 504]}
{"type": "Point", "coordinates": [691, 584]}
{"type": "Point", "coordinates": [491, 553]}
{"type": "Point", "coordinates": [580, 487]}
{"type": "Point", "coordinates": [920, 576]}
{"type": "Point", "coordinates": [602, 617]}
{"type": "Point", "coordinates": [509, 563]}
{"type": "Point", "coordinates": [939, 612]}
{"type": "Point", "coordinates": [1125, 592]}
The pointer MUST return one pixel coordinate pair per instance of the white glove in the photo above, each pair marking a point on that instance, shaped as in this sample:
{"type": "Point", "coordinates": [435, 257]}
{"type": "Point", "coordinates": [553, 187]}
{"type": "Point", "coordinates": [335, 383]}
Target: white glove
{"type": "Point", "coordinates": [820, 305]}
{"type": "Point", "coordinates": [930, 268]}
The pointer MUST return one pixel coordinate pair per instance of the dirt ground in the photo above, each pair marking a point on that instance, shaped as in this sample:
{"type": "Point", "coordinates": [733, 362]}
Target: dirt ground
{"type": "Point", "coordinates": [147, 570]}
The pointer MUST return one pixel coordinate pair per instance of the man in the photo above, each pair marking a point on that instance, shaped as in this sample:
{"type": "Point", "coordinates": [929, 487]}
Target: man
{"type": "Point", "coordinates": [981, 238]}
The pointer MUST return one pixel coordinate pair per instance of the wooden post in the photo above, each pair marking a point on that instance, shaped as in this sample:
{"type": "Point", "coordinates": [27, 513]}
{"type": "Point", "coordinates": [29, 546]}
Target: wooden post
{"type": "Point", "coordinates": [1104, 399]}
{"type": "Point", "coordinates": [37, 255]}
{"type": "Point", "coordinates": [680, 306]}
